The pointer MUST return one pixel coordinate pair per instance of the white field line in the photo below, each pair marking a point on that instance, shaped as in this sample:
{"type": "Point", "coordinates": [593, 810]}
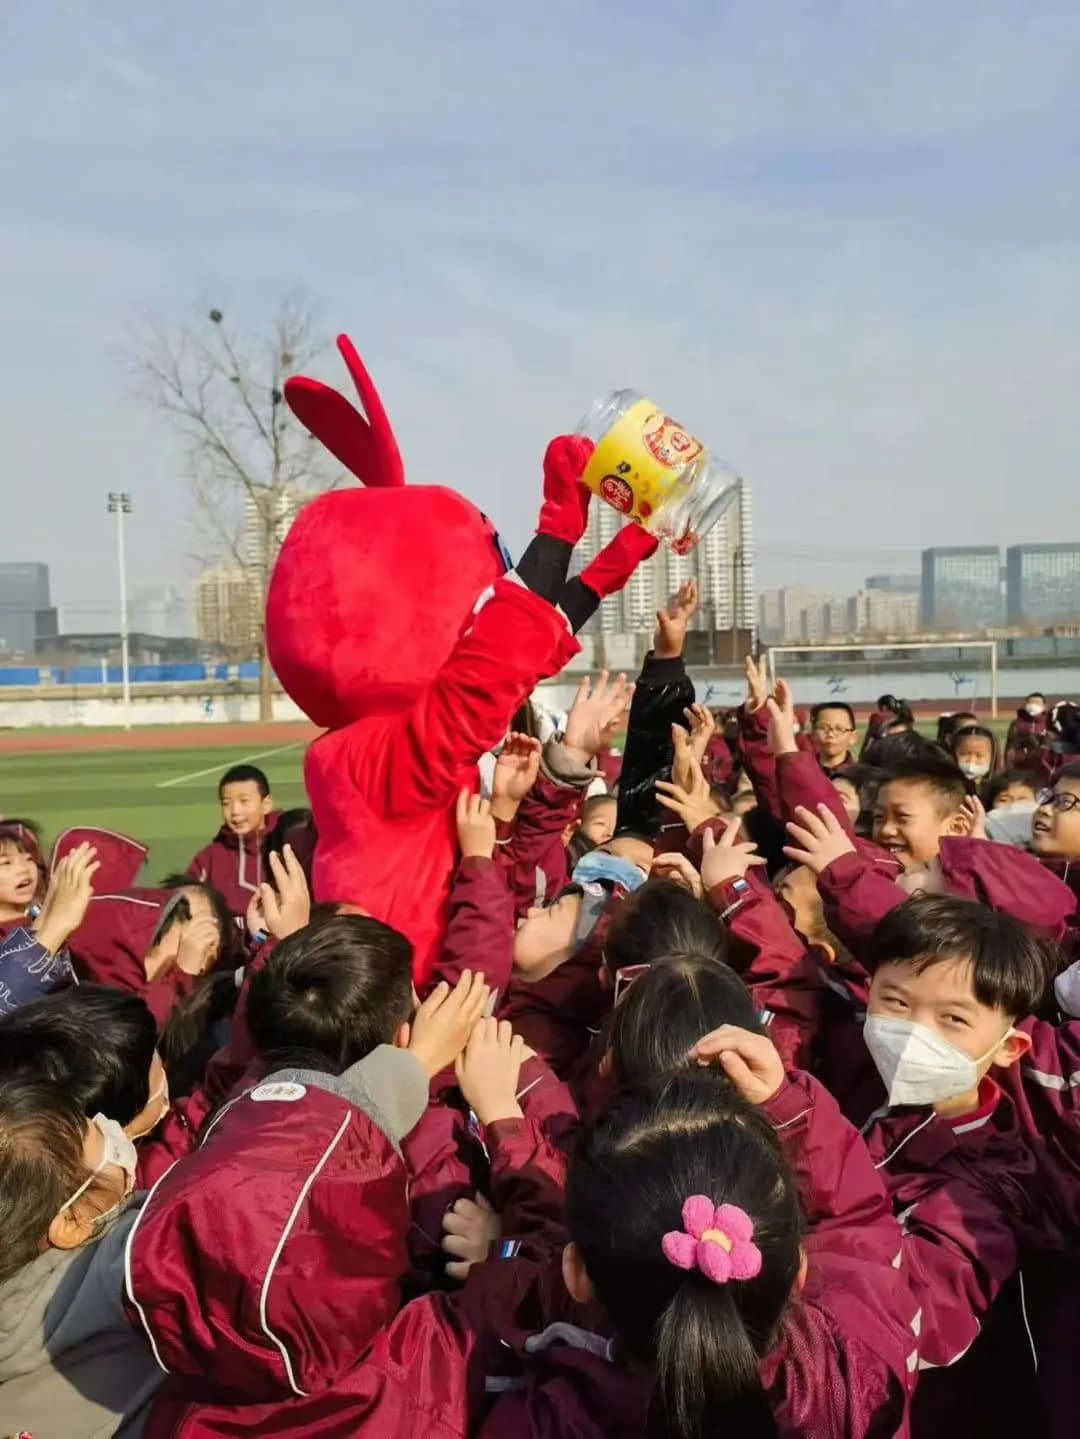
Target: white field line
{"type": "Point", "coordinates": [215, 768]}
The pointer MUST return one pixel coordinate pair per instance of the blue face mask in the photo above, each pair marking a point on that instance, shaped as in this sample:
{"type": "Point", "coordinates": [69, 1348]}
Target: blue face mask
{"type": "Point", "coordinates": [598, 865]}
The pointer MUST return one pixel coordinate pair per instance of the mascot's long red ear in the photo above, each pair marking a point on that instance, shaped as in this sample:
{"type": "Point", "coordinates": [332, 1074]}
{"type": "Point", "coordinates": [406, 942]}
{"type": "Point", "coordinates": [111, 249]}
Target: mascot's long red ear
{"type": "Point", "coordinates": [365, 446]}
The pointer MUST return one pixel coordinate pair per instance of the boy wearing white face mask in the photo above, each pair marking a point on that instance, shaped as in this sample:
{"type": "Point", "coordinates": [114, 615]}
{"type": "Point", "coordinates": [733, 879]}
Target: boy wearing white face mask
{"type": "Point", "coordinates": [71, 1366]}
{"type": "Point", "coordinates": [948, 981]}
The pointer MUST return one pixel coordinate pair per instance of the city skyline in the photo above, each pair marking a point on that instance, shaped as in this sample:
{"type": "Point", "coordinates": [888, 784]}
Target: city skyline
{"type": "Point", "coordinates": [842, 252]}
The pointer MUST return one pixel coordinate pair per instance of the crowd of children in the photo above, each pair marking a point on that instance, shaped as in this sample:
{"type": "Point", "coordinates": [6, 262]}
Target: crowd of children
{"type": "Point", "coordinates": [741, 1097]}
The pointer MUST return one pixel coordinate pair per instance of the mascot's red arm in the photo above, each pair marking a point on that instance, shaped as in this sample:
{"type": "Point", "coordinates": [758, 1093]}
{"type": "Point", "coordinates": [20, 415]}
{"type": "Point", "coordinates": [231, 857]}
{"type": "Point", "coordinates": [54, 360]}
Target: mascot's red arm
{"type": "Point", "coordinates": [373, 629]}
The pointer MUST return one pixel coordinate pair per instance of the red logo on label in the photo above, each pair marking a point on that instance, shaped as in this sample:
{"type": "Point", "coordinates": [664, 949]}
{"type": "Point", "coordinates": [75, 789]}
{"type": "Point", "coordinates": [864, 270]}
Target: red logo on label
{"type": "Point", "coordinates": [617, 493]}
{"type": "Point", "coordinates": [668, 442]}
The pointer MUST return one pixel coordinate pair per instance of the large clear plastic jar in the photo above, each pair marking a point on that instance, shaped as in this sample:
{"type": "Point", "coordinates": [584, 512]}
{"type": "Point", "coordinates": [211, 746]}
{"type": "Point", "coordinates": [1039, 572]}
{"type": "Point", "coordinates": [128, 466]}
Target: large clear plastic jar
{"type": "Point", "coordinates": [649, 468]}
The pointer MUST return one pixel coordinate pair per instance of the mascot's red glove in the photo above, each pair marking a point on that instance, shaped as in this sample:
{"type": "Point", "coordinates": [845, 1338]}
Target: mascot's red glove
{"type": "Point", "coordinates": [563, 517]}
{"type": "Point", "coordinates": [565, 511]}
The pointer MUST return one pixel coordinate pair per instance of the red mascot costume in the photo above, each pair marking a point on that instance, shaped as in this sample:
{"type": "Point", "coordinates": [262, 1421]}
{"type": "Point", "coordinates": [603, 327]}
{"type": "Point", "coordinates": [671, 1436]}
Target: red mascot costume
{"type": "Point", "coordinates": [393, 622]}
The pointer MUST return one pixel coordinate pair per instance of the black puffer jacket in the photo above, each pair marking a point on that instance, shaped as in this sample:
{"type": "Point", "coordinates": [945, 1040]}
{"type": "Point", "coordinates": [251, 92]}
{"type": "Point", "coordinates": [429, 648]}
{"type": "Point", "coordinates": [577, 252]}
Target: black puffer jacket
{"type": "Point", "coordinates": [664, 690]}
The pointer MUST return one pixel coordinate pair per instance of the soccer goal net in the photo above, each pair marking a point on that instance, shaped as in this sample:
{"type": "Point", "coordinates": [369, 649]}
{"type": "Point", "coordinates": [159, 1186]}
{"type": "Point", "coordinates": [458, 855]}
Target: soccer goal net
{"type": "Point", "coordinates": [933, 676]}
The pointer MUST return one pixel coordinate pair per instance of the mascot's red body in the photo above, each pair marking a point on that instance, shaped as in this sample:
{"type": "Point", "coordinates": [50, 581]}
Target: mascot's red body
{"type": "Point", "coordinates": [373, 629]}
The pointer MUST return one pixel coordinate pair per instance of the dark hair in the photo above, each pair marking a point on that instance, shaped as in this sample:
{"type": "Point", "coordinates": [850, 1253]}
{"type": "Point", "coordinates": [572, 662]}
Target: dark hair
{"type": "Point", "coordinates": [659, 919]}
{"type": "Point", "coordinates": [96, 1043]}
{"type": "Point", "coordinates": [190, 1036]}
{"type": "Point", "coordinates": [819, 710]}
{"type": "Point", "coordinates": [180, 912]}
{"type": "Point", "coordinates": [900, 708]}
{"type": "Point", "coordinates": [296, 828]}
{"type": "Point", "coordinates": [973, 731]}
{"type": "Point", "coordinates": [1010, 969]}
{"type": "Point", "coordinates": [42, 1131]}
{"type": "Point", "coordinates": [941, 777]}
{"type": "Point", "coordinates": [1035, 695]}
{"type": "Point", "coordinates": [339, 988]}
{"type": "Point", "coordinates": [23, 836]}
{"type": "Point", "coordinates": [244, 774]}
{"type": "Point", "coordinates": [997, 786]}
{"type": "Point", "coordinates": [633, 1170]}
{"type": "Point", "coordinates": [667, 1010]}
{"type": "Point", "coordinates": [948, 723]}
{"type": "Point", "coordinates": [892, 749]}
{"type": "Point", "coordinates": [577, 847]}
{"type": "Point", "coordinates": [593, 803]}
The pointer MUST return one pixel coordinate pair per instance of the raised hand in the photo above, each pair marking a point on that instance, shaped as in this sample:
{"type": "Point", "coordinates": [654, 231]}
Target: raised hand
{"type": "Point", "coordinates": [750, 1061]}
{"type": "Point", "coordinates": [677, 867]}
{"type": "Point", "coordinates": [286, 904]}
{"type": "Point", "coordinates": [781, 708]}
{"type": "Point", "coordinates": [67, 898]}
{"type": "Point", "coordinates": [974, 813]}
{"type": "Point", "coordinates": [692, 802]}
{"type": "Point", "coordinates": [200, 942]}
{"type": "Point", "coordinates": [488, 1070]}
{"type": "Point", "coordinates": [442, 1024]}
{"type": "Point", "coordinates": [475, 826]}
{"type": "Point", "coordinates": [702, 724]}
{"type": "Point", "coordinates": [817, 839]}
{"type": "Point", "coordinates": [596, 715]}
{"type": "Point", "coordinates": [757, 683]}
{"type": "Point", "coordinates": [470, 1228]}
{"type": "Point", "coordinates": [672, 621]}
{"type": "Point", "coordinates": [727, 857]}
{"type": "Point", "coordinates": [565, 511]}
{"type": "Point", "coordinates": [516, 770]}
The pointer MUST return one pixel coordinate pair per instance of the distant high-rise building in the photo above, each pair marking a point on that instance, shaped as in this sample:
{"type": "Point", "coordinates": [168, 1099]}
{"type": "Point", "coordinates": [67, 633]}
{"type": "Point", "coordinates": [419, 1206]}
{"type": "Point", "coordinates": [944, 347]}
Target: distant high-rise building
{"type": "Point", "coordinates": [268, 514]}
{"type": "Point", "coordinates": [884, 612]}
{"type": "Point", "coordinates": [26, 611]}
{"type": "Point", "coordinates": [227, 605]}
{"type": "Point", "coordinates": [160, 610]}
{"type": "Point", "coordinates": [1042, 584]}
{"type": "Point", "coordinates": [894, 584]}
{"type": "Point", "coordinates": [961, 589]}
{"type": "Point", "coordinates": [722, 564]}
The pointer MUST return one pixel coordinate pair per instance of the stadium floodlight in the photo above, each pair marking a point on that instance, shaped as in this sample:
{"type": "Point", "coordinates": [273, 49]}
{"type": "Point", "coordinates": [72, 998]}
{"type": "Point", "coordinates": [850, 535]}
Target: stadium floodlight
{"type": "Point", "coordinates": [120, 505]}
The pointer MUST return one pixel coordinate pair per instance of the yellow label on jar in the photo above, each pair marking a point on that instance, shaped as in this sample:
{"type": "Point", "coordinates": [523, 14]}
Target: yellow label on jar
{"type": "Point", "coordinates": [637, 463]}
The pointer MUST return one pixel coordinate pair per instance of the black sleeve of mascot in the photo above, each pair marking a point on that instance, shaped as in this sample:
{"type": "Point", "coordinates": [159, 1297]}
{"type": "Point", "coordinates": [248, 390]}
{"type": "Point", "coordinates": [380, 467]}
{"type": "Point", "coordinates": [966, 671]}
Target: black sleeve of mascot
{"type": "Point", "coordinates": [543, 566]}
{"type": "Point", "coordinates": [664, 690]}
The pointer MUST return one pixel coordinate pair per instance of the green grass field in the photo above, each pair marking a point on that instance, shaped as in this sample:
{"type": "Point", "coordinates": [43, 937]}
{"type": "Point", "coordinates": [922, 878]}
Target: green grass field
{"type": "Point", "coordinates": [167, 798]}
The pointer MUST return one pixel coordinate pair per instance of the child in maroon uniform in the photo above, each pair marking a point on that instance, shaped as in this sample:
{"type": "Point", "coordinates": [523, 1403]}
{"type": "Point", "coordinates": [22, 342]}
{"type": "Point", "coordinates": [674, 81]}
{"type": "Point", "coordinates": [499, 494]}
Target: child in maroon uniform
{"type": "Point", "coordinates": [233, 861]}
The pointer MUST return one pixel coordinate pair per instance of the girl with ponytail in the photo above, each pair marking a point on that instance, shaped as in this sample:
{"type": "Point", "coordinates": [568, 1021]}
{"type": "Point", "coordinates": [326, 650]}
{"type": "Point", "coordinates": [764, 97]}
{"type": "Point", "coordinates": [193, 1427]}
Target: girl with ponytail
{"type": "Point", "coordinates": [731, 1263]}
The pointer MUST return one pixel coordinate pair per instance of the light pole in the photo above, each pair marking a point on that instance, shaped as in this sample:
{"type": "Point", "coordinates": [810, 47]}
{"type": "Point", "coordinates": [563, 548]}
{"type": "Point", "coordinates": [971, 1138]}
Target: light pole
{"type": "Point", "coordinates": [120, 505]}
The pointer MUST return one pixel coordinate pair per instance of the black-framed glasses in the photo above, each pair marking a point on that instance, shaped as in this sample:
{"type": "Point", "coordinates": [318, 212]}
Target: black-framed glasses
{"type": "Point", "coordinates": [1061, 801]}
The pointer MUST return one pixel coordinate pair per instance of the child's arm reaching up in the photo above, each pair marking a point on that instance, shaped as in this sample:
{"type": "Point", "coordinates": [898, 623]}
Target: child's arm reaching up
{"type": "Point", "coordinates": [801, 782]}
{"type": "Point", "coordinates": [855, 895]}
{"type": "Point", "coordinates": [480, 924]}
{"type": "Point", "coordinates": [854, 1313]}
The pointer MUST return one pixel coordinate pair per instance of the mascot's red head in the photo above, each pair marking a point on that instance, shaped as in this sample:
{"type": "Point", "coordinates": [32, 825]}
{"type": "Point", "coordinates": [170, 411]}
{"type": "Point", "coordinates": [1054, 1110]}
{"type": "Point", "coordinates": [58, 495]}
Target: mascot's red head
{"type": "Point", "coordinates": [372, 586]}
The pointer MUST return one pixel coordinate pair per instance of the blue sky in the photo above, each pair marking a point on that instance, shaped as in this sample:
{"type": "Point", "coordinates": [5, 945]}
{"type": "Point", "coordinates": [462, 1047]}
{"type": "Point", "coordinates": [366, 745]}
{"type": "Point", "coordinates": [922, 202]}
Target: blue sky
{"type": "Point", "coordinates": [840, 241]}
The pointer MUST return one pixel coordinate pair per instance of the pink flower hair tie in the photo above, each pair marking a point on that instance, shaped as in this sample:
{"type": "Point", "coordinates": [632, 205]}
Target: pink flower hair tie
{"type": "Point", "coordinates": [718, 1240]}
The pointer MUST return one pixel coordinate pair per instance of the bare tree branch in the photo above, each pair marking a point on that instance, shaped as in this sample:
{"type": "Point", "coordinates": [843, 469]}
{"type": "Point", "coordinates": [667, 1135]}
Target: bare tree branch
{"type": "Point", "coordinates": [248, 463]}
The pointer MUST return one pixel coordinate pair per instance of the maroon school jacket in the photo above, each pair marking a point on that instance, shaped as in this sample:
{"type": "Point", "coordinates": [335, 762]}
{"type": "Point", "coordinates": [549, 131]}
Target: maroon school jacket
{"type": "Point", "coordinates": [119, 857]}
{"type": "Point", "coordinates": [535, 857]}
{"type": "Point", "coordinates": [233, 865]}
{"type": "Point", "coordinates": [270, 1257]}
{"type": "Point", "coordinates": [856, 895]}
{"type": "Point", "coordinates": [423, 1374]}
{"type": "Point", "coordinates": [110, 945]}
{"type": "Point", "coordinates": [854, 1317]}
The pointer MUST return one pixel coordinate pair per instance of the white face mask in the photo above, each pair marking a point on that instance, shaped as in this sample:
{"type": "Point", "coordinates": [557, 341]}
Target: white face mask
{"type": "Point", "coordinates": [162, 1093]}
{"type": "Point", "coordinates": [1034, 709]}
{"type": "Point", "coordinates": [116, 1149]}
{"type": "Point", "coordinates": [972, 769]}
{"type": "Point", "coordinates": [916, 1065]}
